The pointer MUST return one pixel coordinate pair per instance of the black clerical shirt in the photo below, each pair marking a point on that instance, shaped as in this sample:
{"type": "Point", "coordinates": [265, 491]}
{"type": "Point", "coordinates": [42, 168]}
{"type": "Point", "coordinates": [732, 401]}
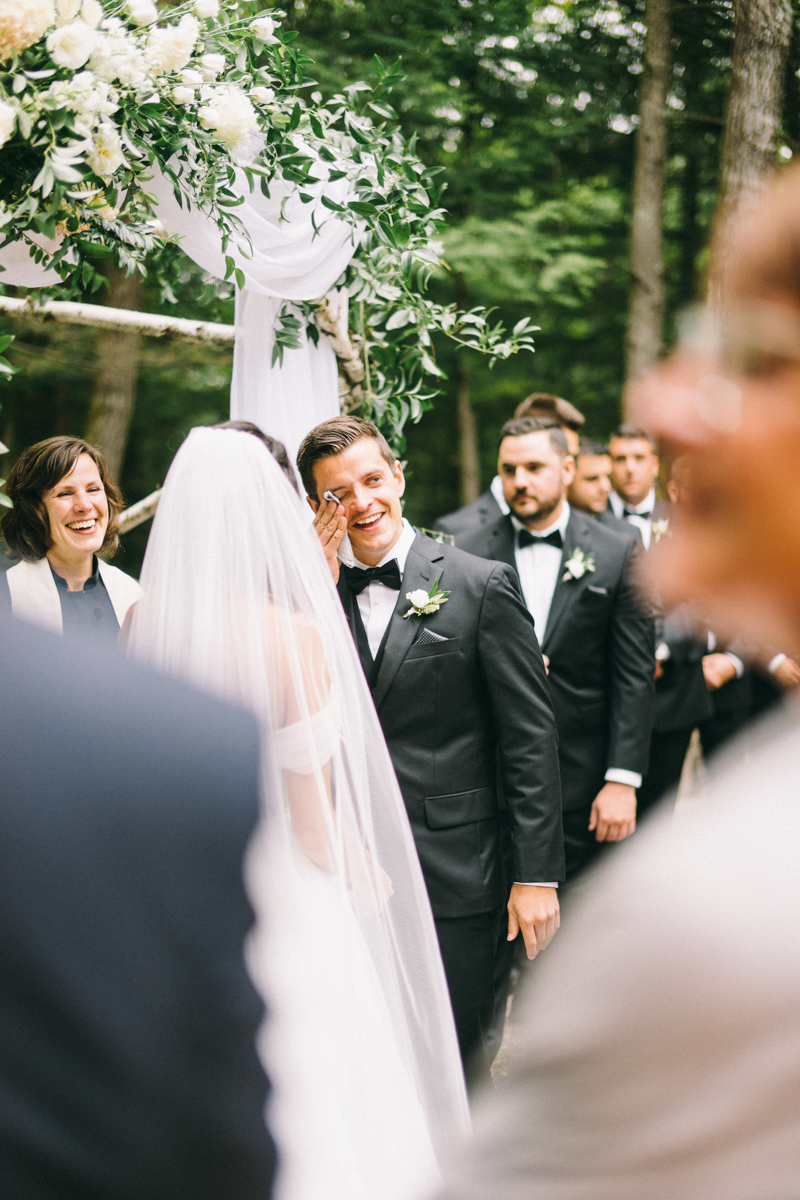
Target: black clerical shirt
{"type": "Point", "coordinates": [88, 613]}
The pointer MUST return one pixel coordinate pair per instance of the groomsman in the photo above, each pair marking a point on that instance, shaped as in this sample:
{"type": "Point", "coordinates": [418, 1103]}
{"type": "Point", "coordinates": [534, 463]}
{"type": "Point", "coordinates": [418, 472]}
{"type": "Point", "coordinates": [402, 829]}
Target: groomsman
{"type": "Point", "coordinates": [634, 470]}
{"type": "Point", "coordinates": [576, 578]}
{"type": "Point", "coordinates": [591, 487]}
{"type": "Point", "coordinates": [492, 504]}
{"type": "Point", "coordinates": [450, 653]}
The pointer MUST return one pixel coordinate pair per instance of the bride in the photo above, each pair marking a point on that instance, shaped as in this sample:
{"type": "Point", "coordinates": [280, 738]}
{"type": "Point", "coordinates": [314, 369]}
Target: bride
{"type": "Point", "coordinates": [359, 1040]}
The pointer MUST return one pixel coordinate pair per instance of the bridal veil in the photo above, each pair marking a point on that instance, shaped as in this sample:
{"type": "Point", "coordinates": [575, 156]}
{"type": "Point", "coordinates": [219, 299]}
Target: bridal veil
{"type": "Point", "coordinates": [359, 1041]}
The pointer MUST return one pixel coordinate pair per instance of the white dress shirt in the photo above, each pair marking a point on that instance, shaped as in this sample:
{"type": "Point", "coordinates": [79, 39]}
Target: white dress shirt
{"type": "Point", "coordinates": [377, 602]}
{"type": "Point", "coordinates": [643, 523]}
{"type": "Point", "coordinates": [496, 488]}
{"type": "Point", "coordinates": [538, 567]}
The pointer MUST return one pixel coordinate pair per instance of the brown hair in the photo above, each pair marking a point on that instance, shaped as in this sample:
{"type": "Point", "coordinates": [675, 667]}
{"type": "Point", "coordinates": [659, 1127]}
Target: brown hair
{"type": "Point", "coordinates": [521, 426]}
{"type": "Point", "coordinates": [542, 404]}
{"type": "Point", "coordinates": [276, 448]}
{"type": "Point", "coordinates": [591, 448]}
{"type": "Point", "coordinates": [632, 433]}
{"type": "Point", "coordinates": [26, 527]}
{"type": "Point", "coordinates": [334, 437]}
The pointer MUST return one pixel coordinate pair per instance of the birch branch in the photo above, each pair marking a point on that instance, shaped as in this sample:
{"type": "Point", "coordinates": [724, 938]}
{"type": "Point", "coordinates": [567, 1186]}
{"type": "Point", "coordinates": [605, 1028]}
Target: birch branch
{"type": "Point", "coordinates": [140, 512]}
{"type": "Point", "coordinates": [103, 317]}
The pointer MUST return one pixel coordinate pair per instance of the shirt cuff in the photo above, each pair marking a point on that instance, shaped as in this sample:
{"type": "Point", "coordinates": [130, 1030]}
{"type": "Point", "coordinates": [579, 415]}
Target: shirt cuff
{"type": "Point", "coordinates": [617, 775]}
{"type": "Point", "coordinates": [526, 884]}
{"type": "Point", "coordinates": [737, 662]}
{"type": "Point", "coordinates": [776, 662]}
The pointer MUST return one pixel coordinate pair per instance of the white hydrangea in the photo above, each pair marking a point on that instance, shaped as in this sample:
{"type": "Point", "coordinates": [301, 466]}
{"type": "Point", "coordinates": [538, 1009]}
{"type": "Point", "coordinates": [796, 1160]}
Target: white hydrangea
{"type": "Point", "coordinates": [182, 94]}
{"type": "Point", "coordinates": [23, 22]}
{"type": "Point", "coordinates": [105, 156]}
{"type": "Point", "coordinates": [262, 95]}
{"type": "Point", "coordinates": [231, 116]}
{"type": "Point", "coordinates": [116, 56]}
{"type": "Point", "coordinates": [264, 29]}
{"type": "Point", "coordinates": [142, 12]}
{"type": "Point", "coordinates": [212, 65]}
{"type": "Point", "coordinates": [8, 117]}
{"type": "Point", "coordinates": [206, 9]}
{"type": "Point", "coordinates": [71, 45]}
{"type": "Point", "coordinates": [170, 48]}
{"type": "Point", "coordinates": [92, 100]}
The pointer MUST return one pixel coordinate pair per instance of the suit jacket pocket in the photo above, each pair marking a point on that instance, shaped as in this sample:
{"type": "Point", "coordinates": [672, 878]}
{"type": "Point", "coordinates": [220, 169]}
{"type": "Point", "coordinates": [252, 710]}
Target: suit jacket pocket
{"type": "Point", "coordinates": [460, 808]}
{"type": "Point", "coordinates": [431, 649]}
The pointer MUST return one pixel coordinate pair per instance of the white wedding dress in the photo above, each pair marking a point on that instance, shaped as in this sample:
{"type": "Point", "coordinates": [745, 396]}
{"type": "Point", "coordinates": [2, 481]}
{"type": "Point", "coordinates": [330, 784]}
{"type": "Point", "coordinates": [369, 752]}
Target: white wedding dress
{"type": "Point", "coordinates": [359, 1041]}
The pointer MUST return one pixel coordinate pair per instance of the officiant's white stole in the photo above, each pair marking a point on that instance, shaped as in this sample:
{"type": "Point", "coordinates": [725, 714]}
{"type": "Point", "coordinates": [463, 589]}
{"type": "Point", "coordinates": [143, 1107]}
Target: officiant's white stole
{"type": "Point", "coordinates": [34, 594]}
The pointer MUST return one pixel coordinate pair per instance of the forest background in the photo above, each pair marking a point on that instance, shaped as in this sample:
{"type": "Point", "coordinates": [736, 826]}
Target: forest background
{"type": "Point", "coordinates": [531, 111]}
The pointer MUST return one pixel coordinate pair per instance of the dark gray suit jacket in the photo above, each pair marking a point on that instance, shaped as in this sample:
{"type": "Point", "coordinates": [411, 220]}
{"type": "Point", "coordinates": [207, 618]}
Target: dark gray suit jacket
{"type": "Point", "coordinates": [600, 642]}
{"type": "Point", "coordinates": [483, 511]}
{"type": "Point", "coordinates": [128, 1068]}
{"type": "Point", "coordinates": [460, 713]}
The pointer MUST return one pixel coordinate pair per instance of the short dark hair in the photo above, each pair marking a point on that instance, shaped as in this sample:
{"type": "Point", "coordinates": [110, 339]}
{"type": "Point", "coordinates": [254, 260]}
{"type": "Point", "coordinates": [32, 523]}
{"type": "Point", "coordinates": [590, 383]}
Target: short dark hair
{"type": "Point", "coordinates": [631, 432]}
{"type": "Point", "coordinates": [589, 446]}
{"type": "Point", "coordinates": [520, 426]}
{"type": "Point", "coordinates": [26, 526]}
{"type": "Point", "coordinates": [276, 448]}
{"type": "Point", "coordinates": [334, 437]}
{"type": "Point", "coordinates": [542, 404]}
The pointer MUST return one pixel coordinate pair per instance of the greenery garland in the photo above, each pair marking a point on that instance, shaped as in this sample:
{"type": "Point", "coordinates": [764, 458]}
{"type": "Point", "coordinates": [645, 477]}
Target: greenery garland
{"type": "Point", "coordinates": [92, 94]}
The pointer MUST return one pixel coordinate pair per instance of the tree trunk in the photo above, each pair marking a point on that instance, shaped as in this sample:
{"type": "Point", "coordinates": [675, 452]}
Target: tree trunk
{"type": "Point", "coordinates": [761, 41]}
{"type": "Point", "coordinates": [117, 356]}
{"type": "Point", "coordinates": [646, 314]}
{"type": "Point", "coordinates": [467, 438]}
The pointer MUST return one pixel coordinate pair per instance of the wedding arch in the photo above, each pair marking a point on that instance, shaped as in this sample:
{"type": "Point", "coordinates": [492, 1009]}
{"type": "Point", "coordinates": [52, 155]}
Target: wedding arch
{"type": "Point", "coordinates": [128, 131]}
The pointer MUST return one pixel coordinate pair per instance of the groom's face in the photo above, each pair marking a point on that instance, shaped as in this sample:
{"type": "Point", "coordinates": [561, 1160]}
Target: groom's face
{"type": "Point", "coordinates": [370, 490]}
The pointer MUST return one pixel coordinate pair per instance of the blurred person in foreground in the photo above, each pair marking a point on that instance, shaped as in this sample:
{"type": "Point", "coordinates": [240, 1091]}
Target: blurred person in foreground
{"type": "Point", "coordinates": [659, 1054]}
{"type": "Point", "coordinates": [128, 1066]}
{"type": "Point", "coordinates": [492, 504]}
{"type": "Point", "coordinates": [64, 517]}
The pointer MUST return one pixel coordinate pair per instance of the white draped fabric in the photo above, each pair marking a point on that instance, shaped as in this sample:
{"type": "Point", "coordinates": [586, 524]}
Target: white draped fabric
{"type": "Point", "coordinates": [299, 250]}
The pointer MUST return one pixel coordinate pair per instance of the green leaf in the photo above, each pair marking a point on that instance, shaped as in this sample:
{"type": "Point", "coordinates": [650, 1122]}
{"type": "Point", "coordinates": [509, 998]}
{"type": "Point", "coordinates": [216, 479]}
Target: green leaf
{"type": "Point", "coordinates": [4, 501]}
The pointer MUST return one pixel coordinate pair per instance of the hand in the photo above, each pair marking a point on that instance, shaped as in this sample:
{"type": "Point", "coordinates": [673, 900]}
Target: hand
{"type": "Point", "coordinates": [330, 525]}
{"type": "Point", "coordinates": [535, 911]}
{"type": "Point", "coordinates": [659, 671]}
{"type": "Point", "coordinates": [787, 673]}
{"type": "Point", "coordinates": [546, 662]}
{"type": "Point", "coordinates": [613, 813]}
{"type": "Point", "coordinates": [718, 669]}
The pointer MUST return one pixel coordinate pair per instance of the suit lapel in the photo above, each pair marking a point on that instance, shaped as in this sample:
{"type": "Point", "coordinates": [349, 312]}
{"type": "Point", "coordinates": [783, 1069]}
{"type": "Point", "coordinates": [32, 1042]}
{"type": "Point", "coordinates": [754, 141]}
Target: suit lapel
{"type": "Point", "coordinates": [563, 590]}
{"type": "Point", "coordinates": [421, 569]}
{"type": "Point", "coordinates": [500, 543]}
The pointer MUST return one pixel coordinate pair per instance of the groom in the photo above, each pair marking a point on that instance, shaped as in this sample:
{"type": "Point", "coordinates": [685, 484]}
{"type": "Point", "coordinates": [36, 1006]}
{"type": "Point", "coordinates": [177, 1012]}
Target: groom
{"type": "Point", "coordinates": [460, 689]}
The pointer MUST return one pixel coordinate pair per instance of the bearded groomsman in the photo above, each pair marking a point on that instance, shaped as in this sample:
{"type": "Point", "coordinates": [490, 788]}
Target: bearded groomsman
{"type": "Point", "coordinates": [576, 578]}
{"type": "Point", "coordinates": [460, 690]}
{"type": "Point", "coordinates": [634, 471]}
{"type": "Point", "coordinates": [591, 487]}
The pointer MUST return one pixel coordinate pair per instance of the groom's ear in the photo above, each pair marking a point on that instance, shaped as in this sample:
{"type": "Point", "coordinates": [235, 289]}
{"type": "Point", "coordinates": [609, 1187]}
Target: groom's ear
{"type": "Point", "coordinates": [400, 478]}
{"type": "Point", "coordinates": [313, 503]}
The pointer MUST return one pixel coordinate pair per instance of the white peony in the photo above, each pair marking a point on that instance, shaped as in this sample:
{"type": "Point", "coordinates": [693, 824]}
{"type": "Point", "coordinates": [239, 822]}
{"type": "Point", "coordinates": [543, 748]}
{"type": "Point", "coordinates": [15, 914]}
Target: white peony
{"type": "Point", "coordinates": [418, 598]}
{"type": "Point", "coordinates": [105, 156]}
{"type": "Point", "coordinates": [206, 9]}
{"type": "Point", "coordinates": [142, 12]}
{"type": "Point", "coordinates": [183, 95]}
{"type": "Point", "coordinates": [92, 13]}
{"type": "Point", "coordinates": [264, 29]}
{"type": "Point", "coordinates": [212, 65]}
{"type": "Point", "coordinates": [23, 22]}
{"type": "Point", "coordinates": [8, 117]}
{"type": "Point", "coordinates": [67, 10]}
{"type": "Point", "coordinates": [231, 116]}
{"type": "Point", "coordinates": [71, 45]}
{"type": "Point", "coordinates": [262, 95]}
{"type": "Point", "coordinates": [170, 48]}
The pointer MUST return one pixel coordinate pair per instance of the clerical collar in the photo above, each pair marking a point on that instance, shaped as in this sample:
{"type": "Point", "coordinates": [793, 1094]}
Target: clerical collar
{"type": "Point", "coordinates": [560, 525]}
{"type": "Point", "coordinates": [496, 488]}
{"type": "Point", "coordinates": [646, 507]}
{"type": "Point", "coordinates": [90, 583]}
{"type": "Point", "coordinates": [399, 550]}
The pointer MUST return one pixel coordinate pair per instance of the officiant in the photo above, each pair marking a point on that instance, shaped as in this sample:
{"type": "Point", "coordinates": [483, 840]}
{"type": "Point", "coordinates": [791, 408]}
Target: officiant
{"type": "Point", "coordinates": [450, 653]}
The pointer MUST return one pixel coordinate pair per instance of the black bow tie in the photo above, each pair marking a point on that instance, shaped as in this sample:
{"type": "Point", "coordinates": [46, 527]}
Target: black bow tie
{"type": "Point", "coordinates": [358, 577]}
{"type": "Point", "coordinates": [628, 512]}
{"type": "Point", "coordinates": [530, 539]}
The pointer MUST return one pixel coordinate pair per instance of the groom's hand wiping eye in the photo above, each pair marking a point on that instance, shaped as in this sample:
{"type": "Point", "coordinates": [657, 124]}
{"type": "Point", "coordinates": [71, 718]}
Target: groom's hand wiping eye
{"type": "Point", "coordinates": [330, 525]}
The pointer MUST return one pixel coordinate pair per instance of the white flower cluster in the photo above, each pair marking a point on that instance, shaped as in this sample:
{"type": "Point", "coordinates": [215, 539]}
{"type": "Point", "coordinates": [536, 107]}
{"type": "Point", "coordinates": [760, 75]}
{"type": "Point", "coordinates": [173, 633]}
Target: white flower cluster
{"type": "Point", "coordinates": [229, 113]}
{"type": "Point", "coordinates": [23, 22]}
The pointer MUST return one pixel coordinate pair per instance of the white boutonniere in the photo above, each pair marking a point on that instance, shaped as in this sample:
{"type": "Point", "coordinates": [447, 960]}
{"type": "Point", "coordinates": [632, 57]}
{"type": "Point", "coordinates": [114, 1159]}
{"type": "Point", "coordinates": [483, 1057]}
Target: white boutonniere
{"type": "Point", "coordinates": [577, 565]}
{"type": "Point", "coordinates": [423, 602]}
{"type": "Point", "coordinates": [660, 528]}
